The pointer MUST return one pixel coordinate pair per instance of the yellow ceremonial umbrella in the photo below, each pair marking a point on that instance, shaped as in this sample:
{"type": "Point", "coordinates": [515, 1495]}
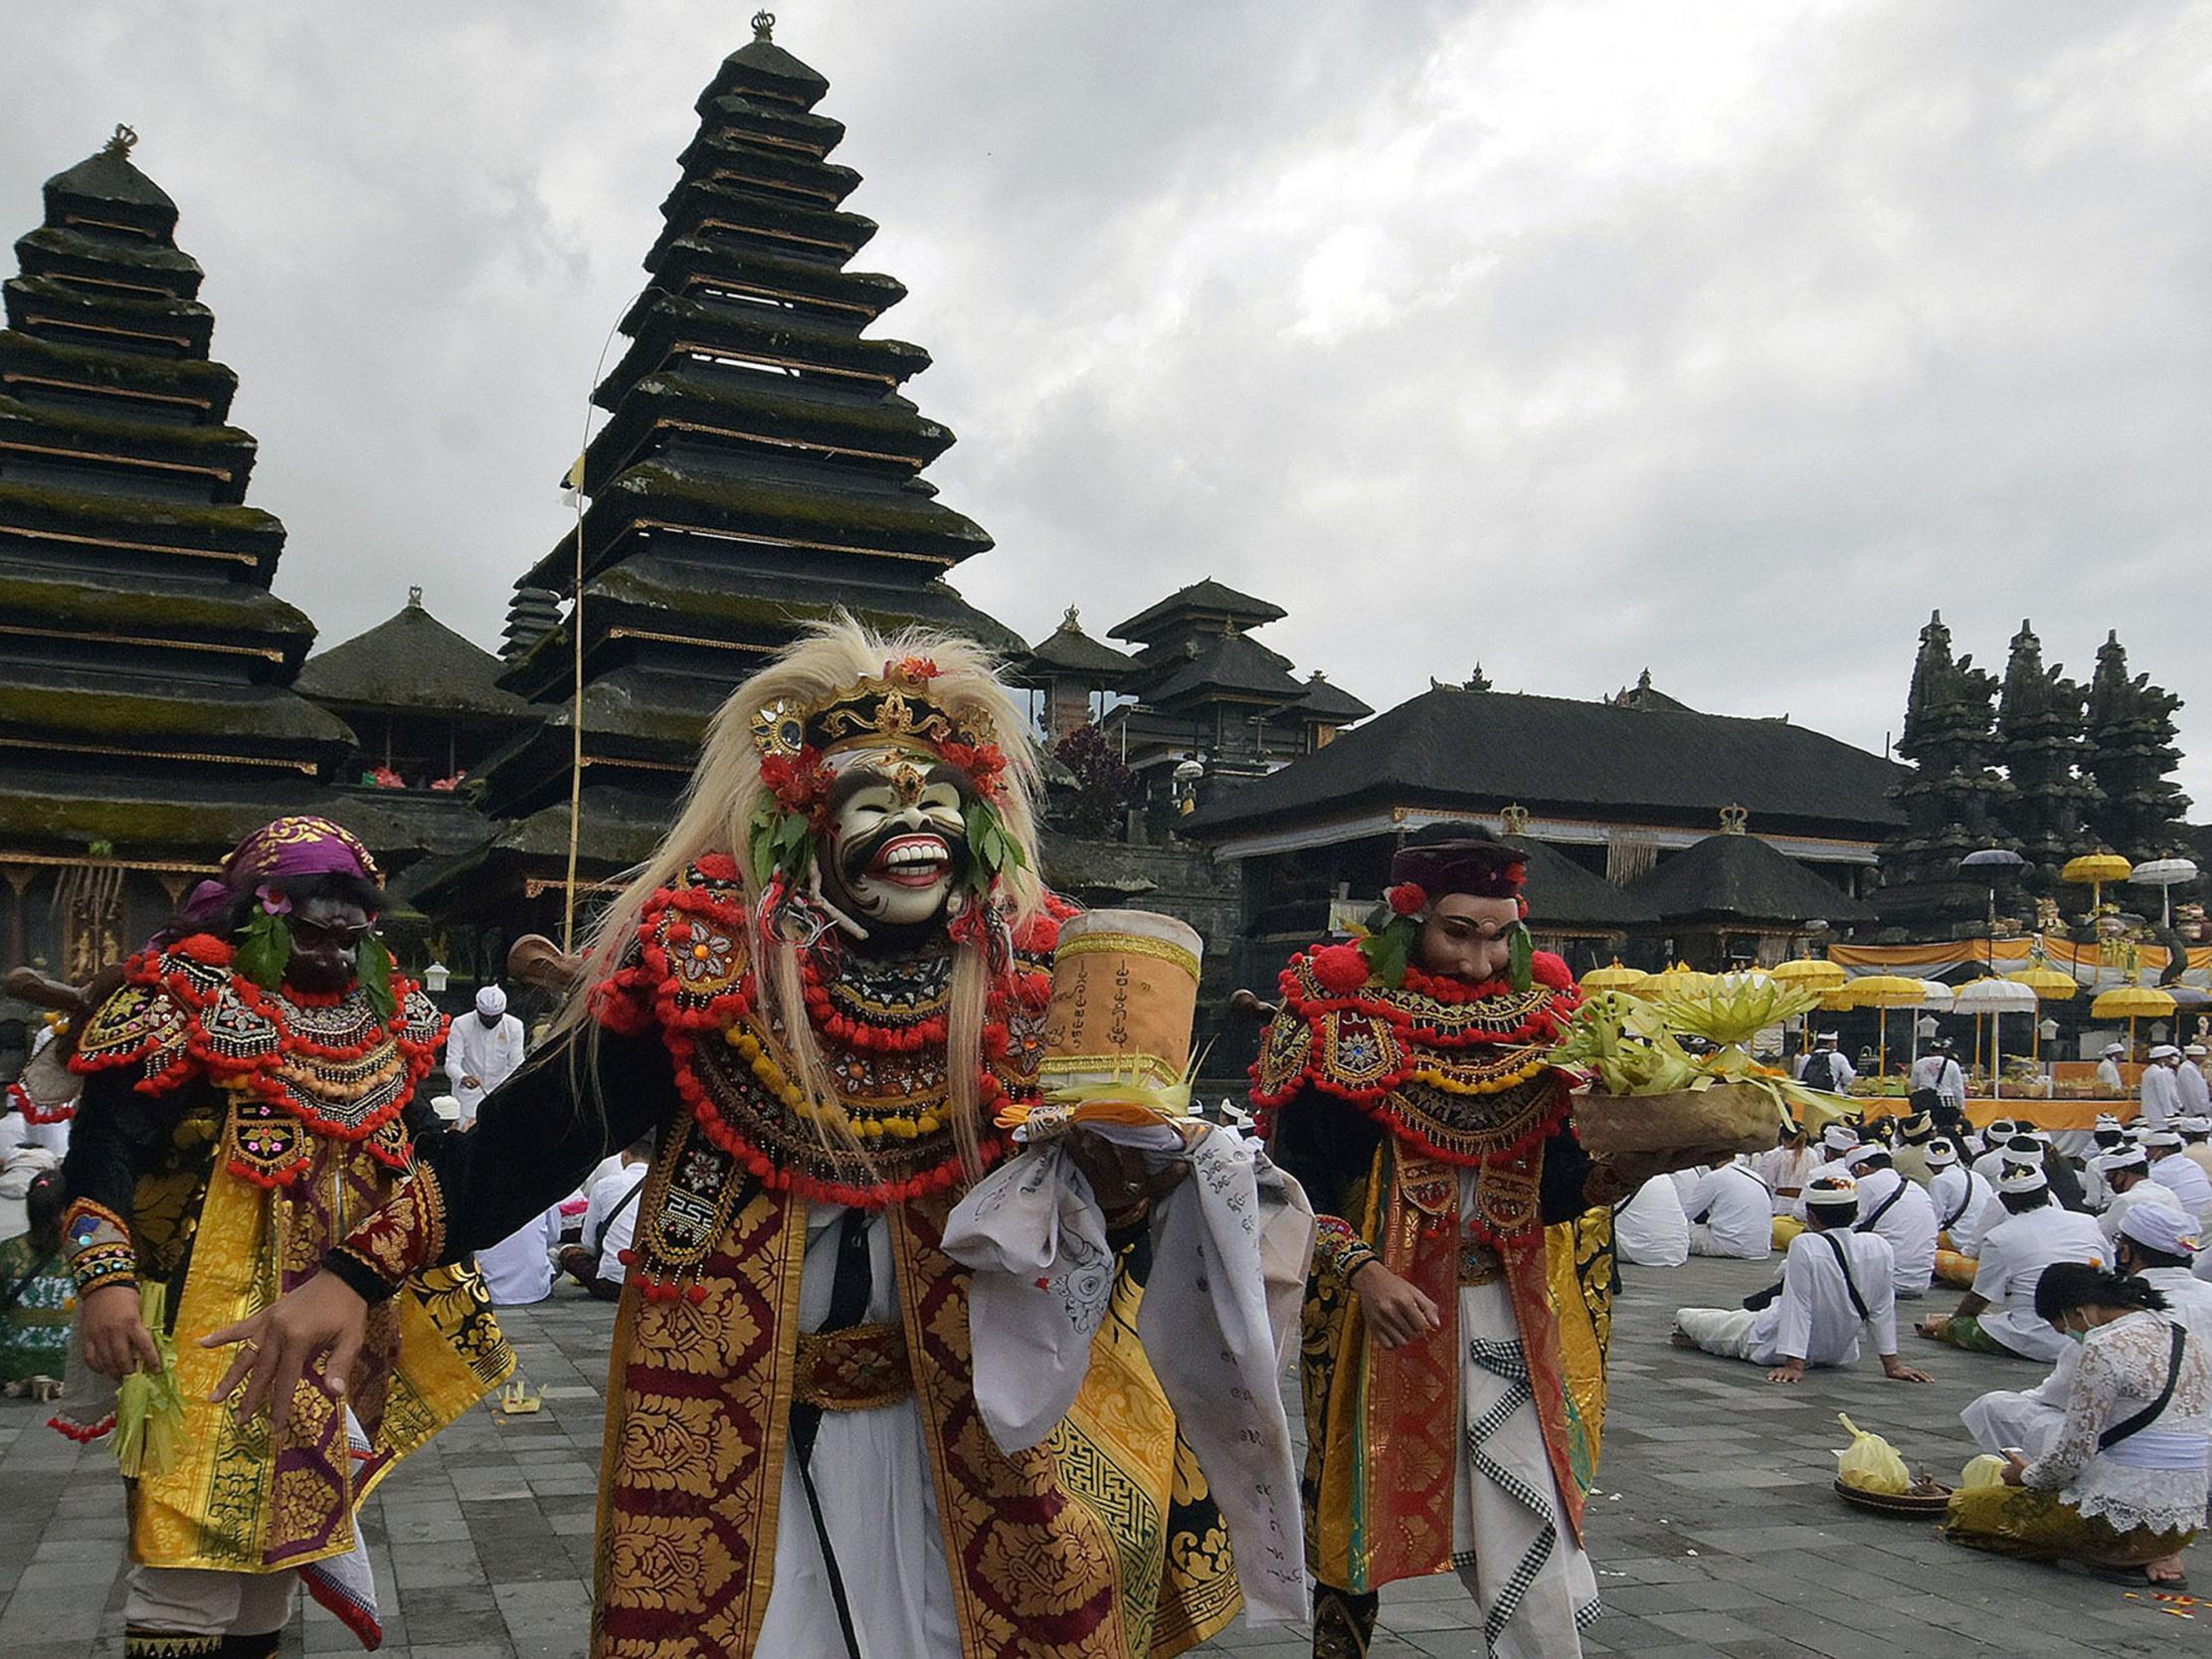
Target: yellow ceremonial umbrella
{"type": "Point", "coordinates": [2049, 986]}
{"type": "Point", "coordinates": [1886, 992]}
{"type": "Point", "coordinates": [1808, 972]}
{"type": "Point", "coordinates": [1614, 978]}
{"type": "Point", "coordinates": [1679, 975]}
{"type": "Point", "coordinates": [2132, 1003]}
{"type": "Point", "coordinates": [2094, 870]}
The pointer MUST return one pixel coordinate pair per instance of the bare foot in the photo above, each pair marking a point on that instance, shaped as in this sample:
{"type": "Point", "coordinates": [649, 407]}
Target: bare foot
{"type": "Point", "coordinates": [2166, 1570]}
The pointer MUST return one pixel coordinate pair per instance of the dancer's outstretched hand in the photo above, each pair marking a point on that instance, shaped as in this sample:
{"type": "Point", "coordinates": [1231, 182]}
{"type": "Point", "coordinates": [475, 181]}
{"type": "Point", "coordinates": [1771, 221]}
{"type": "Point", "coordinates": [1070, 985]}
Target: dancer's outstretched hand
{"type": "Point", "coordinates": [324, 1318]}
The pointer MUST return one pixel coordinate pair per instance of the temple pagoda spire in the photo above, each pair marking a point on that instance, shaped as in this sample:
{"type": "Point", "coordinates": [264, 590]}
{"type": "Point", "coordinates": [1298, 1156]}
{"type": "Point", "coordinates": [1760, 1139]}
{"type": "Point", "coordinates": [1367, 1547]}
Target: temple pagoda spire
{"type": "Point", "coordinates": [1949, 801]}
{"type": "Point", "coordinates": [2039, 729]}
{"type": "Point", "coordinates": [147, 719]}
{"type": "Point", "coordinates": [759, 468]}
{"type": "Point", "coordinates": [2131, 737]}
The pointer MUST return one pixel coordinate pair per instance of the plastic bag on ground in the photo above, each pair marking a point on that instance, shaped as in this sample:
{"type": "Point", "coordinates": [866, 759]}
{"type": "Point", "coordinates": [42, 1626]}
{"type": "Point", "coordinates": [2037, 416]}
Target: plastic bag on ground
{"type": "Point", "coordinates": [1869, 1463]}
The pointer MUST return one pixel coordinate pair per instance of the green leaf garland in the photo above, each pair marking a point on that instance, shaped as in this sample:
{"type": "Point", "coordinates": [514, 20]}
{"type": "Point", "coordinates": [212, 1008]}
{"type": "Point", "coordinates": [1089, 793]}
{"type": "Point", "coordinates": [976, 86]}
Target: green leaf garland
{"type": "Point", "coordinates": [264, 950]}
{"type": "Point", "coordinates": [372, 967]}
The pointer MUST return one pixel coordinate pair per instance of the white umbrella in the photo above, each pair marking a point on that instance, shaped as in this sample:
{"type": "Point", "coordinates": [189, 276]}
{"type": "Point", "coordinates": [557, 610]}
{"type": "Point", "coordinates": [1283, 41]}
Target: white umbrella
{"type": "Point", "coordinates": [1995, 997]}
{"type": "Point", "coordinates": [2166, 874]}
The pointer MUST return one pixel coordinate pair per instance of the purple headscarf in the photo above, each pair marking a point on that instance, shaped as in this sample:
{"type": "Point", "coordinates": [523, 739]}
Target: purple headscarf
{"type": "Point", "coordinates": [290, 850]}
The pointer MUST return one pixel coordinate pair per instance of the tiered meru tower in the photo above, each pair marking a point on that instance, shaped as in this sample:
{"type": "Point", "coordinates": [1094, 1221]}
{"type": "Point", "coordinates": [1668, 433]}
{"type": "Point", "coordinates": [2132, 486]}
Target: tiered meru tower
{"type": "Point", "coordinates": [758, 469]}
{"type": "Point", "coordinates": [147, 719]}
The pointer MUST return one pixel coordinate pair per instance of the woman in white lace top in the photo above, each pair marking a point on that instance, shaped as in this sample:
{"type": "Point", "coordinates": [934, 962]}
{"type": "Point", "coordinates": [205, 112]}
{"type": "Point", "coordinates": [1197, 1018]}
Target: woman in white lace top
{"type": "Point", "coordinates": [2123, 1485]}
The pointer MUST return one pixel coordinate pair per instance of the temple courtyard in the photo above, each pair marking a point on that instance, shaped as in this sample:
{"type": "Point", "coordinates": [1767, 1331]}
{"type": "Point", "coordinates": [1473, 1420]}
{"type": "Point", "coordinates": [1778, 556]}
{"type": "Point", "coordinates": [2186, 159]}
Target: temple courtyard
{"type": "Point", "coordinates": [1716, 1531]}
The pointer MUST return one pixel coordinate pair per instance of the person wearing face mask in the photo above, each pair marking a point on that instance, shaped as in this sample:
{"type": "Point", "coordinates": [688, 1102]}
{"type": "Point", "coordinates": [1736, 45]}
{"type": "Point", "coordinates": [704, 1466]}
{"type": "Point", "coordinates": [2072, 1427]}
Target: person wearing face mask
{"type": "Point", "coordinates": [1404, 1084]}
{"type": "Point", "coordinates": [483, 1049]}
{"type": "Point", "coordinates": [2121, 1488]}
{"type": "Point", "coordinates": [822, 993]}
{"type": "Point", "coordinates": [248, 1093]}
{"type": "Point", "coordinates": [2156, 1244]}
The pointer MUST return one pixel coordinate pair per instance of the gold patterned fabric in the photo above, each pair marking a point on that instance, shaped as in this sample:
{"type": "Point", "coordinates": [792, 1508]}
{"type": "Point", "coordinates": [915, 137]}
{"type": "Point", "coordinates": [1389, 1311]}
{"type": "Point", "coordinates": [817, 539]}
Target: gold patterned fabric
{"type": "Point", "coordinates": [855, 1369]}
{"type": "Point", "coordinates": [1453, 1081]}
{"type": "Point", "coordinates": [239, 1500]}
{"type": "Point", "coordinates": [1101, 1543]}
{"type": "Point", "coordinates": [285, 1135]}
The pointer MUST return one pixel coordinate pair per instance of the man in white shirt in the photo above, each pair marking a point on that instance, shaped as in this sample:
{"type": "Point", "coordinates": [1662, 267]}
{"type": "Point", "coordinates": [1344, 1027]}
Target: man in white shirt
{"type": "Point", "coordinates": [1998, 1315]}
{"type": "Point", "coordinates": [1997, 1137]}
{"type": "Point", "coordinates": [2196, 1139]}
{"type": "Point", "coordinates": [2110, 1078]}
{"type": "Point", "coordinates": [2127, 1175]}
{"type": "Point", "coordinates": [2188, 1078]}
{"type": "Point", "coordinates": [1730, 1214]}
{"type": "Point", "coordinates": [1936, 1070]}
{"type": "Point", "coordinates": [1650, 1230]}
{"type": "Point", "coordinates": [1900, 1213]}
{"type": "Point", "coordinates": [2161, 1090]}
{"type": "Point", "coordinates": [610, 1222]}
{"type": "Point", "coordinates": [1825, 1066]}
{"type": "Point", "coordinates": [518, 1270]}
{"type": "Point", "coordinates": [482, 1050]}
{"type": "Point", "coordinates": [1834, 1281]}
{"type": "Point", "coordinates": [1837, 1143]}
{"type": "Point", "coordinates": [1965, 1203]}
{"type": "Point", "coordinates": [2172, 1168]}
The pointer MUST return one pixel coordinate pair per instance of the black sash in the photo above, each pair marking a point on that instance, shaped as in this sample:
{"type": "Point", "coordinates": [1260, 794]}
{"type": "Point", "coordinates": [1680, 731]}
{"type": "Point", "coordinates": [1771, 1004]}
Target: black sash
{"type": "Point", "coordinates": [1965, 1204]}
{"type": "Point", "coordinates": [849, 1287]}
{"type": "Point", "coordinates": [2150, 1414]}
{"type": "Point", "coordinates": [1843, 1261]}
{"type": "Point", "coordinates": [1865, 1223]}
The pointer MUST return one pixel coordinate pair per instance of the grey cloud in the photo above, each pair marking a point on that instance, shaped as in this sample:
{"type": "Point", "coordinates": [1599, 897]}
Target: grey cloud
{"type": "Point", "coordinates": [1574, 338]}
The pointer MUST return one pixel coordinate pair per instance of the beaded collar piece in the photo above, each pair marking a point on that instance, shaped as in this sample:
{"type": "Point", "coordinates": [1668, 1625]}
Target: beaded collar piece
{"type": "Point", "coordinates": [296, 1066]}
{"type": "Point", "coordinates": [1456, 1069]}
{"type": "Point", "coordinates": [882, 1028]}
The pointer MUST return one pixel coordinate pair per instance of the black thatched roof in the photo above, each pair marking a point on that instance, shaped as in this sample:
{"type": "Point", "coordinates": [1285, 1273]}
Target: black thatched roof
{"type": "Point", "coordinates": [1069, 650]}
{"type": "Point", "coordinates": [1228, 666]}
{"type": "Point", "coordinates": [410, 661]}
{"type": "Point", "coordinates": [1562, 894]}
{"type": "Point", "coordinates": [1331, 704]}
{"type": "Point", "coordinates": [1207, 599]}
{"type": "Point", "coordinates": [1742, 878]}
{"type": "Point", "coordinates": [1478, 751]}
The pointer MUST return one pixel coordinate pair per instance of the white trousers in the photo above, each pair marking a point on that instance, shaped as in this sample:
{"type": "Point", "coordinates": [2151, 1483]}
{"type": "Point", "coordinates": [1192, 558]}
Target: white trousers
{"type": "Point", "coordinates": [1511, 1542]}
{"type": "Point", "coordinates": [197, 1602]}
{"type": "Point", "coordinates": [1722, 1331]}
{"type": "Point", "coordinates": [2012, 1417]}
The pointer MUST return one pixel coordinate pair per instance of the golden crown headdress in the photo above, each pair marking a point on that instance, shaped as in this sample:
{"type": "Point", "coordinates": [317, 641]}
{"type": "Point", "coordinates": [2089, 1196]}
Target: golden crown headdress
{"type": "Point", "coordinates": [894, 710]}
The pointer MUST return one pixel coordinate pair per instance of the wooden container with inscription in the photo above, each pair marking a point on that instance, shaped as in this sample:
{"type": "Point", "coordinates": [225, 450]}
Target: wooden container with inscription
{"type": "Point", "coordinates": [1124, 989]}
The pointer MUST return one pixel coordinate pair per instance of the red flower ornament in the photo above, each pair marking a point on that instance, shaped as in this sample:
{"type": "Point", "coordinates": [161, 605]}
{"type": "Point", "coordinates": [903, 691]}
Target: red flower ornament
{"type": "Point", "coordinates": [1339, 969]}
{"type": "Point", "coordinates": [1408, 898]}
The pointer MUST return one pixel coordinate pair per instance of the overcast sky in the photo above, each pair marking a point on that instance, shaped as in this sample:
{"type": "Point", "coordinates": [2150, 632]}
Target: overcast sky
{"type": "Point", "coordinates": [1726, 340]}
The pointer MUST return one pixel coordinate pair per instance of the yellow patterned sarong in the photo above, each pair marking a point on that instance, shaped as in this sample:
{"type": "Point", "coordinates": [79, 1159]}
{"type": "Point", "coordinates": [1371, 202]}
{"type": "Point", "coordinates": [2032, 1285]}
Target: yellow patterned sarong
{"type": "Point", "coordinates": [238, 1501]}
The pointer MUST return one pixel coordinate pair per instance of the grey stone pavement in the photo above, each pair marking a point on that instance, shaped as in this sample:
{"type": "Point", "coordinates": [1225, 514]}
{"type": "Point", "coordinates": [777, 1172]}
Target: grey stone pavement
{"type": "Point", "coordinates": [1716, 1532]}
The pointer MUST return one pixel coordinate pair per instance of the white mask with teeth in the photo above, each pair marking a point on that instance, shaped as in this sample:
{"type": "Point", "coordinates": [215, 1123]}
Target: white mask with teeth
{"type": "Point", "coordinates": [896, 847]}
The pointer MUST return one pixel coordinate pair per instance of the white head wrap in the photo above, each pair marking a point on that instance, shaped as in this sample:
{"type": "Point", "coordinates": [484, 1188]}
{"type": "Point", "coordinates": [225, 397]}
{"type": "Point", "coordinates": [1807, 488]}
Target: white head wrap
{"type": "Point", "coordinates": [1839, 1137]}
{"type": "Point", "coordinates": [2022, 1178]}
{"type": "Point", "coordinates": [491, 1002]}
{"type": "Point", "coordinates": [2160, 1227]}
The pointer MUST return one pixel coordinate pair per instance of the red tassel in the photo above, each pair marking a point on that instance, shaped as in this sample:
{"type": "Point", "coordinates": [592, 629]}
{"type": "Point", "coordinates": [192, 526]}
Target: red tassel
{"type": "Point", "coordinates": [697, 1294]}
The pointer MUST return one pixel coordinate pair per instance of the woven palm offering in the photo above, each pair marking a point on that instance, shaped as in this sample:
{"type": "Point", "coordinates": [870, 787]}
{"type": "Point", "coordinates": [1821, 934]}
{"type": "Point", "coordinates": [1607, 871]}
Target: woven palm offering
{"type": "Point", "coordinates": [1676, 1070]}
